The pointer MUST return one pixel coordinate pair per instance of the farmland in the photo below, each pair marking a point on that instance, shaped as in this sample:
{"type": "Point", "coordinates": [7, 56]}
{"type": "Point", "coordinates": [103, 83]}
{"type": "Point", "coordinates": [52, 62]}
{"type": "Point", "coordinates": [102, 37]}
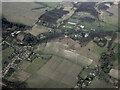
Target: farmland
{"type": "Point", "coordinates": [6, 55]}
{"type": "Point", "coordinates": [22, 12]}
{"type": "Point", "coordinates": [55, 74]}
{"type": "Point", "coordinates": [36, 65]}
{"type": "Point", "coordinates": [60, 45]}
{"type": "Point", "coordinates": [100, 84]}
{"type": "Point", "coordinates": [54, 48]}
{"type": "Point", "coordinates": [36, 30]}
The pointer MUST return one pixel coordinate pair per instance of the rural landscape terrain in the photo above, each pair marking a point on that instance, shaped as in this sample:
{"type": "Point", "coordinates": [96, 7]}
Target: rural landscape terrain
{"type": "Point", "coordinates": [60, 45]}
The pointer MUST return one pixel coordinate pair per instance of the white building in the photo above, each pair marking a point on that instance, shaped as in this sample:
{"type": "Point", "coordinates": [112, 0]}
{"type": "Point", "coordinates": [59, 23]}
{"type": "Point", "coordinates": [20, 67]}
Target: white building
{"type": "Point", "coordinates": [72, 23]}
{"type": "Point", "coordinates": [82, 26]}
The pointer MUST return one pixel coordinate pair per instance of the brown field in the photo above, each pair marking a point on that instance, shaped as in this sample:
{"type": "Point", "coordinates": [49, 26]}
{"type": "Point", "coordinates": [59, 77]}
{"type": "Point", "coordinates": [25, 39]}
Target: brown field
{"type": "Point", "coordinates": [57, 70]}
{"type": "Point", "coordinates": [60, 50]}
{"type": "Point", "coordinates": [22, 75]}
{"type": "Point", "coordinates": [91, 50]}
{"type": "Point", "coordinates": [114, 73]}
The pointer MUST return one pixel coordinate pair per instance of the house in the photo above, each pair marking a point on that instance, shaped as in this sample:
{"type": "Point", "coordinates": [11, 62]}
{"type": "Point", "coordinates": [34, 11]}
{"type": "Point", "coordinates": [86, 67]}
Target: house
{"type": "Point", "coordinates": [20, 36]}
{"type": "Point", "coordinates": [71, 23]}
{"type": "Point", "coordinates": [86, 34]}
{"type": "Point", "coordinates": [81, 26]}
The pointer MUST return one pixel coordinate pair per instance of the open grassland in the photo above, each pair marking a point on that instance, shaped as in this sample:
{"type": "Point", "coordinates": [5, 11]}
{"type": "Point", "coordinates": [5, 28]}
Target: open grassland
{"type": "Point", "coordinates": [56, 73]}
{"type": "Point", "coordinates": [22, 12]}
{"type": "Point", "coordinates": [36, 30]}
{"type": "Point", "coordinates": [97, 83]}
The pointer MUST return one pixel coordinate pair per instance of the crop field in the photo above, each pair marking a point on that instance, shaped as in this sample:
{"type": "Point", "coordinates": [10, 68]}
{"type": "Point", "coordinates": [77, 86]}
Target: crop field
{"type": "Point", "coordinates": [23, 12]}
{"type": "Point", "coordinates": [20, 74]}
{"type": "Point", "coordinates": [36, 30]}
{"type": "Point", "coordinates": [57, 72]}
{"type": "Point", "coordinates": [90, 51]}
{"type": "Point", "coordinates": [26, 69]}
{"type": "Point", "coordinates": [54, 49]}
{"type": "Point", "coordinates": [97, 83]}
{"type": "Point", "coordinates": [36, 65]}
